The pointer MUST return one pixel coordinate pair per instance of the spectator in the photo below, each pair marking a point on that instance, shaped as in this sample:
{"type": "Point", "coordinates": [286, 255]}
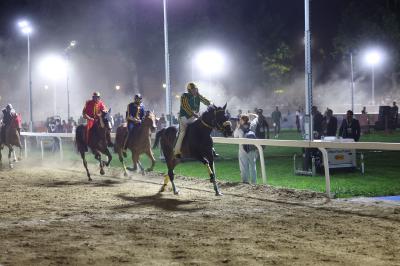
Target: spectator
{"type": "Point", "coordinates": [64, 127]}
{"type": "Point", "coordinates": [276, 119]}
{"type": "Point", "coordinates": [247, 159]}
{"type": "Point", "coordinates": [350, 128]}
{"type": "Point", "coordinates": [162, 122]}
{"type": "Point", "coordinates": [317, 122]}
{"type": "Point", "coordinates": [329, 124]}
{"type": "Point", "coordinates": [260, 125]}
{"type": "Point", "coordinates": [298, 120]}
{"type": "Point", "coordinates": [395, 112]}
{"type": "Point", "coordinates": [239, 114]}
{"type": "Point", "coordinates": [364, 110]}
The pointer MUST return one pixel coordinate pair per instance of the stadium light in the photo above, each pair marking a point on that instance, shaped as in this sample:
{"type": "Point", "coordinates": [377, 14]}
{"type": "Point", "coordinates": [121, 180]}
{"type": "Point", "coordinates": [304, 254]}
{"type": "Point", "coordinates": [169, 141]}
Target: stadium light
{"type": "Point", "coordinates": [27, 29]}
{"type": "Point", "coordinates": [210, 62]}
{"type": "Point", "coordinates": [373, 58]}
{"type": "Point", "coordinates": [53, 67]}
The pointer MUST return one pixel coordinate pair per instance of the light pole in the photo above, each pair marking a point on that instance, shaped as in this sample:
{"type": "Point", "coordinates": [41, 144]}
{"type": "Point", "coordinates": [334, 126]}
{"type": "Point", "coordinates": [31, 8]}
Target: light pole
{"type": "Point", "coordinates": [27, 29]}
{"type": "Point", "coordinates": [308, 72]}
{"type": "Point", "coordinates": [67, 50]}
{"type": "Point", "coordinates": [168, 102]}
{"type": "Point", "coordinates": [352, 81]}
{"type": "Point", "coordinates": [373, 58]}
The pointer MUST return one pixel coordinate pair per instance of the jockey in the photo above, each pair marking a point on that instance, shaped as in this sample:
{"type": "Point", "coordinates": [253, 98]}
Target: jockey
{"type": "Point", "coordinates": [92, 112]}
{"type": "Point", "coordinates": [8, 116]}
{"type": "Point", "coordinates": [134, 116]}
{"type": "Point", "coordinates": [190, 106]}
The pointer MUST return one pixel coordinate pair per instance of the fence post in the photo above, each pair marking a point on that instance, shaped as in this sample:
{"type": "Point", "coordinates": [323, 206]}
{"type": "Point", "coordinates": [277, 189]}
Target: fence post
{"type": "Point", "coordinates": [262, 162]}
{"type": "Point", "coordinates": [326, 168]}
{"type": "Point", "coordinates": [41, 148]}
{"type": "Point", "coordinates": [25, 147]}
{"type": "Point", "coordinates": [61, 149]}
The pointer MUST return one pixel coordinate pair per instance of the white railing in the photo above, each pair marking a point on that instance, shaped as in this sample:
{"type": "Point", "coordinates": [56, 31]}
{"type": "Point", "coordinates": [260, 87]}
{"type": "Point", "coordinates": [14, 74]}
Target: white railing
{"type": "Point", "coordinates": [319, 144]}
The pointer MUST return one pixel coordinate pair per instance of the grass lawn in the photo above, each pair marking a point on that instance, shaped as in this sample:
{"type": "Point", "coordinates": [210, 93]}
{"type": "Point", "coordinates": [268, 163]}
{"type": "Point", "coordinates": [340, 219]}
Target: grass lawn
{"type": "Point", "coordinates": [381, 168]}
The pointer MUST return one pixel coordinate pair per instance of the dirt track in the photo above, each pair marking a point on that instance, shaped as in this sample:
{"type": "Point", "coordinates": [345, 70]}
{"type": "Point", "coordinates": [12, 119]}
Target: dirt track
{"type": "Point", "coordinates": [56, 217]}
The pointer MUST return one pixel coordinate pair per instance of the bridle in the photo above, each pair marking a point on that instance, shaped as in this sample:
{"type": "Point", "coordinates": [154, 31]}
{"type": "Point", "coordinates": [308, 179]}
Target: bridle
{"type": "Point", "coordinates": [214, 122]}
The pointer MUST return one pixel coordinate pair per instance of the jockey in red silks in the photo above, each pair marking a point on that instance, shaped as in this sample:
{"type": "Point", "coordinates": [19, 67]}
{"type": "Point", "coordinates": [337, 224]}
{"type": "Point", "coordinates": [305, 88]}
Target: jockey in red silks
{"type": "Point", "coordinates": [92, 111]}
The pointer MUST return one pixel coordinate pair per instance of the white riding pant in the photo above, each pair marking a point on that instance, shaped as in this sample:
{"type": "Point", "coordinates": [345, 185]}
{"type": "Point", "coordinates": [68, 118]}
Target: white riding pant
{"type": "Point", "coordinates": [183, 123]}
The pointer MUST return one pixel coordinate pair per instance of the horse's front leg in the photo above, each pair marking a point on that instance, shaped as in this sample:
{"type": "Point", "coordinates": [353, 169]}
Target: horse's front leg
{"type": "Point", "coordinates": [10, 151]}
{"type": "Point", "coordinates": [109, 157]}
{"type": "Point", "coordinates": [121, 159]}
{"type": "Point", "coordinates": [209, 163]}
{"type": "Point", "coordinates": [1, 156]}
{"type": "Point", "coordinates": [135, 159]}
{"type": "Point", "coordinates": [153, 161]}
{"type": "Point", "coordinates": [97, 156]}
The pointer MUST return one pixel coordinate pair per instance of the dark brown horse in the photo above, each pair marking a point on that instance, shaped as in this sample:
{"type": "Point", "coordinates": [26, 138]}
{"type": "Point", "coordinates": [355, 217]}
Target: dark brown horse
{"type": "Point", "coordinates": [138, 143]}
{"type": "Point", "coordinates": [100, 136]}
{"type": "Point", "coordinates": [197, 143]}
{"type": "Point", "coordinates": [12, 138]}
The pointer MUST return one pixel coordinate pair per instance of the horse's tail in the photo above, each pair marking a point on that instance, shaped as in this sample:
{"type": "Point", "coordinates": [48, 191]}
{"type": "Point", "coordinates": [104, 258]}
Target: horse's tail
{"type": "Point", "coordinates": [158, 136]}
{"type": "Point", "coordinates": [80, 142]}
{"type": "Point", "coordinates": [120, 136]}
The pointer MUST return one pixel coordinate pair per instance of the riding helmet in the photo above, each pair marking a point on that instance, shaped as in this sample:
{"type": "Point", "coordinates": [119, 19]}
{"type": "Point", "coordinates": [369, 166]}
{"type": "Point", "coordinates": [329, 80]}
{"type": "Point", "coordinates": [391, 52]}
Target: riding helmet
{"type": "Point", "coordinates": [138, 97]}
{"type": "Point", "coordinates": [190, 86]}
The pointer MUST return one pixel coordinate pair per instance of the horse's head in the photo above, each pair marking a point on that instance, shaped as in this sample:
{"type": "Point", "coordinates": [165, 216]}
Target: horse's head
{"type": "Point", "coordinates": [218, 118]}
{"type": "Point", "coordinates": [150, 121]}
{"type": "Point", "coordinates": [107, 119]}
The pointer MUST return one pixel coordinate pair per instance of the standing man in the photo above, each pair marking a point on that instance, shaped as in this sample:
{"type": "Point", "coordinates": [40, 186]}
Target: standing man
{"type": "Point", "coordinates": [395, 112]}
{"type": "Point", "coordinates": [350, 128]}
{"type": "Point", "coordinates": [317, 122]}
{"type": "Point", "coordinates": [92, 112]}
{"type": "Point", "coordinates": [276, 119]}
{"type": "Point", "coordinates": [329, 124]}
{"type": "Point", "coordinates": [247, 153]}
{"type": "Point", "coordinates": [134, 116]}
{"type": "Point", "coordinates": [260, 126]}
{"type": "Point", "coordinates": [190, 107]}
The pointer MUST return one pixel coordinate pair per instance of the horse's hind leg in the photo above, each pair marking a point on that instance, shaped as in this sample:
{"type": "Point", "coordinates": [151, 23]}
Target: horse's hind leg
{"type": "Point", "coordinates": [85, 165]}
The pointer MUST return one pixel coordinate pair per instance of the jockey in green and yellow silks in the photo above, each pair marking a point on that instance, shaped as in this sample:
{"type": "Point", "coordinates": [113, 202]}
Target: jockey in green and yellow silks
{"type": "Point", "coordinates": [190, 106]}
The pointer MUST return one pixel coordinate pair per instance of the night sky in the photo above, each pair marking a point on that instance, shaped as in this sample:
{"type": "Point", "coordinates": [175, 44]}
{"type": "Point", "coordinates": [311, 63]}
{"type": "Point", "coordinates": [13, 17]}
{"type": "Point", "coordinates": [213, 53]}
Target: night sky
{"type": "Point", "coordinates": [122, 42]}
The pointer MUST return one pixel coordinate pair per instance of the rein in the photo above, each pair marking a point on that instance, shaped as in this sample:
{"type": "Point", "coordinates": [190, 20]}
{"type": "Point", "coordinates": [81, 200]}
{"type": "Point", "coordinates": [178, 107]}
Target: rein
{"type": "Point", "coordinates": [217, 126]}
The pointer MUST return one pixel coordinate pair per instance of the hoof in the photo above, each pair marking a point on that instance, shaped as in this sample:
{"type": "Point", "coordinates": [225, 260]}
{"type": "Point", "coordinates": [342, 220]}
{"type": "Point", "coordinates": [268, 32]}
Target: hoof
{"type": "Point", "coordinates": [219, 193]}
{"type": "Point", "coordinates": [89, 179]}
{"type": "Point", "coordinates": [102, 172]}
{"type": "Point", "coordinates": [143, 173]}
{"type": "Point", "coordinates": [11, 166]}
{"type": "Point", "coordinates": [176, 192]}
{"type": "Point", "coordinates": [125, 174]}
{"type": "Point", "coordinates": [162, 189]}
{"type": "Point", "coordinates": [212, 180]}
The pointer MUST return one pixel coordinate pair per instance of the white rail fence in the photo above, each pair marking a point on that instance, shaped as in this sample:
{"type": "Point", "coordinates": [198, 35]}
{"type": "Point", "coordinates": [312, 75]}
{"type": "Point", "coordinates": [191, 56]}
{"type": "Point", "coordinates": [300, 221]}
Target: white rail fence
{"type": "Point", "coordinates": [318, 144]}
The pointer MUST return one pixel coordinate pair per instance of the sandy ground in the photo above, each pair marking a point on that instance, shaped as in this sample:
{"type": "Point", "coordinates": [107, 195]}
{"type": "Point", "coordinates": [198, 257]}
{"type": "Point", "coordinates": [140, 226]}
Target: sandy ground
{"type": "Point", "coordinates": [56, 217]}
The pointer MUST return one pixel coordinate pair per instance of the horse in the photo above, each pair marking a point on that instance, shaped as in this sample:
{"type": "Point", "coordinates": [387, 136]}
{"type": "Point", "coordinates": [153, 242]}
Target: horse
{"type": "Point", "coordinates": [100, 136]}
{"type": "Point", "coordinates": [138, 143]}
{"type": "Point", "coordinates": [12, 138]}
{"type": "Point", "coordinates": [196, 144]}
